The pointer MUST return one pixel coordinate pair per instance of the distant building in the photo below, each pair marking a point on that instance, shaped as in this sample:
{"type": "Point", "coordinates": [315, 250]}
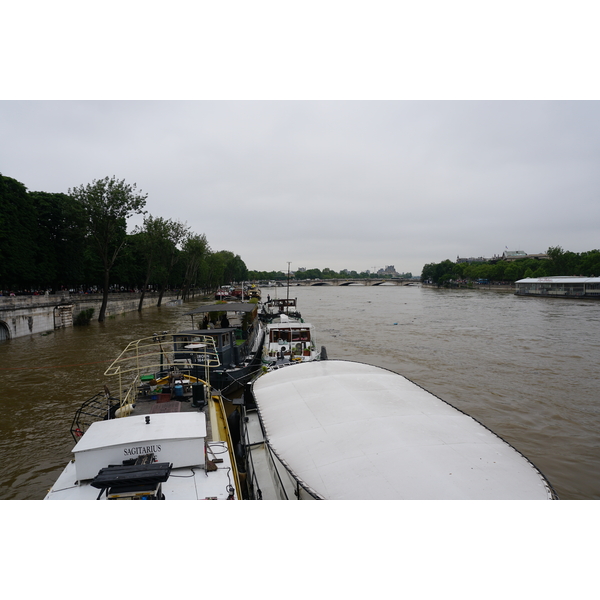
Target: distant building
{"type": "Point", "coordinates": [511, 255]}
{"type": "Point", "coordinates": [480, 259]}
{"type": "Point", "coordinates": [507, 255]}
{"type": "Point", "coordinates": [390, 270]}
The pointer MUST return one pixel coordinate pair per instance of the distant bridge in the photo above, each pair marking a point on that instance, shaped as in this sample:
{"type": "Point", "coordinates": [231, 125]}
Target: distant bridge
{"type": "Point", "coordinates": [359, 281]}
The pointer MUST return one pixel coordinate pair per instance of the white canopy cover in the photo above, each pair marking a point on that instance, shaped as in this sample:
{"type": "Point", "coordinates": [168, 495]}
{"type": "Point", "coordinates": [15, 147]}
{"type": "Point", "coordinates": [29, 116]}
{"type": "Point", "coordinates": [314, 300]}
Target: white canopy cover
{"type": "Point", "coordinates": [354, 431]}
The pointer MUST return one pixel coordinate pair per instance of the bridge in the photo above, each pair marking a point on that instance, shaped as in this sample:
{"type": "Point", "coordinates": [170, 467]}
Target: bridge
{"type": "Point", "coordinates": [346, 282]}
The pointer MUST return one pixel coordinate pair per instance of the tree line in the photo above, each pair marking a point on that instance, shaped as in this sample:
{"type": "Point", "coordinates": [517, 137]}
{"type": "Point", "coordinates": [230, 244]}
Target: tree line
{"type": "Point", "coordinates": [79, 242]}
{"type": "Point", "coordinates": [559, 262]}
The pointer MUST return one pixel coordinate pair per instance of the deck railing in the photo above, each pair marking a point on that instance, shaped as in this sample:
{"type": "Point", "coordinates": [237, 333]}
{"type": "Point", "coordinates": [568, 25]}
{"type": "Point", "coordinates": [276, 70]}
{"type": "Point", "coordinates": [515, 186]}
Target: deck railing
{"type": "Point", "coordinates": [155, 356]}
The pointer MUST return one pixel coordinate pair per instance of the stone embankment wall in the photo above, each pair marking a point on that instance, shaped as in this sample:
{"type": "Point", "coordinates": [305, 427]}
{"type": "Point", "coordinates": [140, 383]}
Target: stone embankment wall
{"type": "Point", "coordinates": [26, 315]}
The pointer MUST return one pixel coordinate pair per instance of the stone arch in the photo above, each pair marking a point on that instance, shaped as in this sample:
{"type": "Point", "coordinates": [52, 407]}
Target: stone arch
{"type": "Point", "coordinates": [4, 331]}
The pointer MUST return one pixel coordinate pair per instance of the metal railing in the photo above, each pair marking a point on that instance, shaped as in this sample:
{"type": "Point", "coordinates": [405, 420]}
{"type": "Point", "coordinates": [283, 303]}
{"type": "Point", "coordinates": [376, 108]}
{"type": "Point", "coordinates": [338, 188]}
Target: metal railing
{"type": "Point", "coordinates": [155, 356]}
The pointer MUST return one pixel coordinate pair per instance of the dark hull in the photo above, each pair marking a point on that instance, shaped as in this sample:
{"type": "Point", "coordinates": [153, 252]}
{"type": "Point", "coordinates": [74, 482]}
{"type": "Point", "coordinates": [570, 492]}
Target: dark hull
{"type": "Point", "coordinates": [562, 295]}
{"type": "Point", "coordinates": [231, 380]}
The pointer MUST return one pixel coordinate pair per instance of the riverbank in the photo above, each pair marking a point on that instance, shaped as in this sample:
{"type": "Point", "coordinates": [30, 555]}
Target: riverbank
{"type": "Point", "coordinates": [27, 315]}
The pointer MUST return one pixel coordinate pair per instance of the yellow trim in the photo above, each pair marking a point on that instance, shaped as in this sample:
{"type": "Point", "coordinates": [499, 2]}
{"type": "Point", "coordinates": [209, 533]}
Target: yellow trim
{"type": "Point", "coordinates": [217, 417]}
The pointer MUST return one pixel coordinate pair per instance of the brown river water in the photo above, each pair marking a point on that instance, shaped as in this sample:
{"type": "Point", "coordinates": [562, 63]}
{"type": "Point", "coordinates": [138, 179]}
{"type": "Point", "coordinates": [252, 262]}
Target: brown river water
{"type": "Point", "coordinates": [527, 368]}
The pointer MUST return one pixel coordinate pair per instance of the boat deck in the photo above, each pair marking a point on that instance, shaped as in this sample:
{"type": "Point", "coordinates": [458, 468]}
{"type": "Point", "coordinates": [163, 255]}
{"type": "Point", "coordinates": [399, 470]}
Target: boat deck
{"type": "Point", "coordinates": [146, 404]}
{"type": "Point", "coordinates": [259, 457]}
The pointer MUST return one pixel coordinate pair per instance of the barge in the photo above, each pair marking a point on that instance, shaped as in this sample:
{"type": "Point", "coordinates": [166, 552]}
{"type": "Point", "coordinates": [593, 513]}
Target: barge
{"type": "Point", "coordinates": [238, 336]}
{"type": "Point", "coordinates": [162, 433]}
{"type": "Point", "coordinates": [342, 430]}
{"type": "Point", "coordinates": [559, 287]}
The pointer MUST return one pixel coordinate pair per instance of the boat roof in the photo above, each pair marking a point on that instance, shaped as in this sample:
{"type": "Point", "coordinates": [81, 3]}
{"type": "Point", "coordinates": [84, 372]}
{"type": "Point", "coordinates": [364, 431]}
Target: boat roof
{"type": "Point", "coordinates": [289, 325]}
{"type": "Point", "coordinates": [205, 332]}
{"type": "Point", "coordinates": [560, 279]}
{"type": "Point", "coordinates": [176, 439]}
{"type": "Point", "coordinates": [228, 307]}
{"type": "Point", "coordinates": [137, 429]}
{"type": "Point", "coordinates": [353, 431]}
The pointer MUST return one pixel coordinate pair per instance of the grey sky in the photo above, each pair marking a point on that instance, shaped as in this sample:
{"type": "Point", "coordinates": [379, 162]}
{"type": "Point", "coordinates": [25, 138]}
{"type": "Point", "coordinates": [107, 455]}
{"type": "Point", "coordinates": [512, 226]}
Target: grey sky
{"type": "Point", "coordinates": [338, 184]}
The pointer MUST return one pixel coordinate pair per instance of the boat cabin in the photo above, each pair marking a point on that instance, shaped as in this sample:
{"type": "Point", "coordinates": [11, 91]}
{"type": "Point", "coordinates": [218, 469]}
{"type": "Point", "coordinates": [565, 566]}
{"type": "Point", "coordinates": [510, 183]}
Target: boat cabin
{"type": "Point", "coordinates": [565, 287]}
{"type": "Point", "coordinates": [237, 337]}
{"type": "Point", "coordinates": [176, 438]}
{"type": "Point", "coordinates": [274, 307]}
{"type": "Point", "coordinates": [186, 345]}
{"type": "Point", "coordinates": [288, 339]}
{"type": "Point", "coordinates": [151, 457]}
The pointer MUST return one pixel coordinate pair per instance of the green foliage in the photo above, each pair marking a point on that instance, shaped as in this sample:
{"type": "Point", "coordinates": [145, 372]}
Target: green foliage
{"type": "Point", "coordinates": [590, 263]}
{"type": "Point", "coordinates": [17, 231]}
{"type": "Point", "coordinates": [173, 235]}
{"type": "Point", "coordinates": [223, 267]}
{"type": "Point", "coordinates": [440, 272]}
{"type": "Point", "coordinates": [560, 262]}
{"type": "Point", "coordinates": [266, 276]}
{"type": "Point", "coordinates": [106, 205]}
{"type": "Point", "coordinates": [60, 240]}
{"type": "Point", "coordinates": [309, 274]}
{"type": "Point", "coordinates": [195, 249]}
{"type": "Point", "coordinates": [84, 317]}
{"type": "Point", "coordinates": [80, 241]}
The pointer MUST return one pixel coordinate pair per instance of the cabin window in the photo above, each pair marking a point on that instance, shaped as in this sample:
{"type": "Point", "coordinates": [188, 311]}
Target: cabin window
{"type": "Point", "coordinates": [301, 335]}
{"type": "Point", "coordinates": [280, 334]}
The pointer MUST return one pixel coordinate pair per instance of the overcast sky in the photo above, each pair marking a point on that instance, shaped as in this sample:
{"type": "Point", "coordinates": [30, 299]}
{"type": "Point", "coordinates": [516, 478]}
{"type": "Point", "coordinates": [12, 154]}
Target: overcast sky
{"type": "Point", "coordinates": [338, 184]}
{"type": "Point", "coordinates": [317, 158]}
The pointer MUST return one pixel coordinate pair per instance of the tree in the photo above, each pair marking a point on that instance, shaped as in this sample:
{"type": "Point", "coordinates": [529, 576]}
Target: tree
{"type": "Point", "coordinates": [437, 271]}
{"type": "Point", "coordinates": [590, 263]}
{"type": "Point", "coordinates": [175, 234]}
{"type": "Point", "coordinates": [18, 231]}
{"type": "Point", "coordinates": [513, 271]}
{"type": "Point", "coordinates": [153, 240]}
{"type": "Point", "coordinates": [60, 241]}
{"type": "Point", "coordinates": [235, 268]}
{"type": "Point", "coordinates": [195, 249]}
{"type": "Point", "coordinates": [563, 263]}
{"type": "Point", "coordinates": [107, 204]}
{"type": "Point", "coordinates": [215, 269]}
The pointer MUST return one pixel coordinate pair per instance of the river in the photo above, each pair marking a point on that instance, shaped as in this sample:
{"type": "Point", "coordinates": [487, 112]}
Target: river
{"type": "Point", "coordinates": [527, 368]}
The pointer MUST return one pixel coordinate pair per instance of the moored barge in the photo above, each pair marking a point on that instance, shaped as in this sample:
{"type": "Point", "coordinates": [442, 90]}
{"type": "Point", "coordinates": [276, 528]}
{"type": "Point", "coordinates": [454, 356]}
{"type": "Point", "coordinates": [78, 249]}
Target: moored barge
{"type": "Point", "coordinates": [559, 287]}
{"type": "Point", "coordinates": [162, 433]}
{"type": "Point", "coordinates": [340, 430]}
